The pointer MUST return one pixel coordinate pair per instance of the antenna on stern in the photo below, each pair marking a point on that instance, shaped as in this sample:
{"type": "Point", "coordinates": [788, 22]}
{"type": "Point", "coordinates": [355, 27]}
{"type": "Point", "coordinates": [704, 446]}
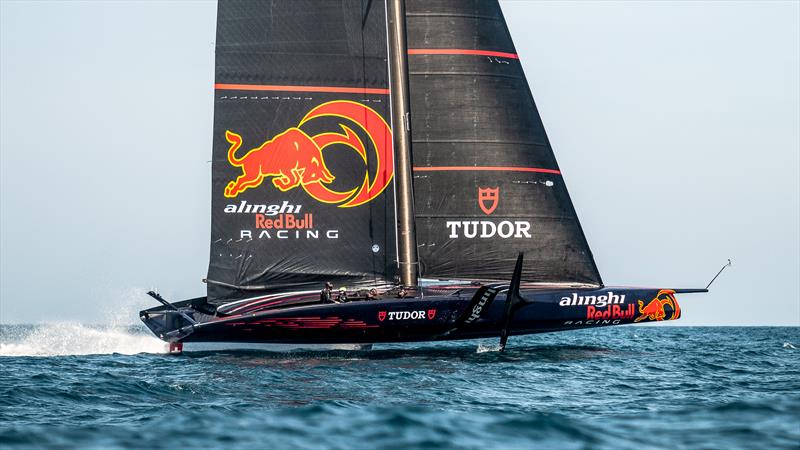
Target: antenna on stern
{"type": "Point", "coordinates": [720, 271]}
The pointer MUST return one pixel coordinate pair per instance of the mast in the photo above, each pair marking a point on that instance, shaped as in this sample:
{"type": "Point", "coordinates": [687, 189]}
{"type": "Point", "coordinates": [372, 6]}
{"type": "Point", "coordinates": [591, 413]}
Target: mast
{"type": "Point", "coordinates": [401, 126]}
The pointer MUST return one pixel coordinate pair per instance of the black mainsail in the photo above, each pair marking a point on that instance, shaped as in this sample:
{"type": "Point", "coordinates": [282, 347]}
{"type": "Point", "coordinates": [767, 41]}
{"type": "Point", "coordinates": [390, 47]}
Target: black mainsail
{"type": "Point", "coordinates": [486, 181]}
{"type": "Point", "coordinates": [302, 163]}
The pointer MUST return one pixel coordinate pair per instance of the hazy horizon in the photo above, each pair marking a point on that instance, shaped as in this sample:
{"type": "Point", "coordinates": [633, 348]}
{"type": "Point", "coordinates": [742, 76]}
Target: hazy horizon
{"type": "Point", "coordinates": [676, 126]}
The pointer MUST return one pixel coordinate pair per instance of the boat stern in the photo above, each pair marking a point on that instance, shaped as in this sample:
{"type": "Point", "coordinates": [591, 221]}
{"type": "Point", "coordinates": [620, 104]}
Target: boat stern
{"type": "Point", "coordinates": [165, 324]}
{"type": "Point", "coordinates": [172, 325]}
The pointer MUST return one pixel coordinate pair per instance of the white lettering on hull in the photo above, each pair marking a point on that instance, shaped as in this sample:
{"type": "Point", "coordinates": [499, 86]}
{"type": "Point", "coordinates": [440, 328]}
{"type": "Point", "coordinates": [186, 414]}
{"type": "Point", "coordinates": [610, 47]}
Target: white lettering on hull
{"type": "Point", "coordinates": [406, 315]}
{"type": "Point", "coordinates": [598, 300]}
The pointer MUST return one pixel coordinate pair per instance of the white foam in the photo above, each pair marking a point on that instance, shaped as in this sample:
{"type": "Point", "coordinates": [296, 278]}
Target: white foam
{"type": "Point", "coordinates": [64, 338]}
{"type": "Point", "coordinates": [118, 312]}
{"type": "Point", "coordinates": [788, 345]}
{"type": "Point", "coordinates": [487, 348]}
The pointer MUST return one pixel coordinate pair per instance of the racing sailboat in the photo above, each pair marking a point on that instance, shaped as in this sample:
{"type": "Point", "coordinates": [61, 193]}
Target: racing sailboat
{"type": "Point", "coordinates": [393, 150]}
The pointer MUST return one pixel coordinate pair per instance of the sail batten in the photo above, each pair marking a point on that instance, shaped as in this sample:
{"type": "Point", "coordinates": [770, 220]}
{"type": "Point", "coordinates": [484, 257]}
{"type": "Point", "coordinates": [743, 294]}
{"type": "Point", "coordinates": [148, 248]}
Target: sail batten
{"type": "Point", "coordinates": [300, 88]}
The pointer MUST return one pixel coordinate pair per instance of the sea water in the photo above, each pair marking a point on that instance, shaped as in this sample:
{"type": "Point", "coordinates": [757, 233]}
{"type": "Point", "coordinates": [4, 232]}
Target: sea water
{"type": "Point", "coordinates": [71, 385]}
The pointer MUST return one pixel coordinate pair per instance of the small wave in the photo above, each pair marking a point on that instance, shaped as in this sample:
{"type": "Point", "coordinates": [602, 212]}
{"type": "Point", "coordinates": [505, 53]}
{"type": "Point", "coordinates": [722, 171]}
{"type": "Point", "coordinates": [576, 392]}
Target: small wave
{"type": "Point", "coordinates": [788, 345]}
{"type": "Point", "coordinates": [61, 339]}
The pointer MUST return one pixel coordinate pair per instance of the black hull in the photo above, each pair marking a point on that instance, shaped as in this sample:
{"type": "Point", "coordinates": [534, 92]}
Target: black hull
{"type": "Point", "coordinates": [423, 318]}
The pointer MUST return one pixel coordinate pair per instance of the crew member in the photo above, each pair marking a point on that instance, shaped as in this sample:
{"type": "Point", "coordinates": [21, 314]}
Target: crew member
{"type": "Point", "coordinates": [402, 293]}
{"type": "Point", "coordinates": [372, 294]}
{"type": "Point", "coordinates": [325, 295]}
{"type": "Point", "coordinates": [342, 295]}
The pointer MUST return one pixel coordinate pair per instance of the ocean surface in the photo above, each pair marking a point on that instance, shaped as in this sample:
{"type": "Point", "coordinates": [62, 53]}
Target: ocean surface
{"type": "Point", "coordinates": [70, 385]}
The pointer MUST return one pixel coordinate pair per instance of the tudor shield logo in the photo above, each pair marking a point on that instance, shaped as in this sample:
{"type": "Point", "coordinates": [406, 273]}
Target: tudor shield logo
{"type": "Point", "coordinates": [487, 199]}
{"type": "Point", "coordinates": [431, 314]}
{"type": "Point", "coordinates": [381, 315]}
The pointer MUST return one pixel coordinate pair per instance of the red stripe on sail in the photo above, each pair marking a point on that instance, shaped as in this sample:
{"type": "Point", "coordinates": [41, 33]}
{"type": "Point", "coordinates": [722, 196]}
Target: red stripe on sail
{"type": "Point", "coordinates": [485, 169]}
{"type": "Point", "coordinates": [460, 51]}
{"type": "Point", "coordinates": [286, 88]}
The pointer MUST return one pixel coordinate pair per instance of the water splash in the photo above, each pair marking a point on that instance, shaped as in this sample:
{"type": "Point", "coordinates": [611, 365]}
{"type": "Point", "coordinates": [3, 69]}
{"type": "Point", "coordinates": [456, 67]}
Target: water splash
{"type": "Point", "coordinates": [60, 339]}
{"type": "Point", "coordinates": [483, 348]}
{"type": "Point", "coordinates": [120, 306]}
{"type": "Point", "coordinates": [118, 314]}
{"type": "Point", "coordinates": [788, 345]}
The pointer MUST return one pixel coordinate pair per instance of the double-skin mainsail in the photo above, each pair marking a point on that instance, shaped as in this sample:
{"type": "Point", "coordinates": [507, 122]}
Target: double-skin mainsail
{"type": "Point", "coordinates": [486, 182]}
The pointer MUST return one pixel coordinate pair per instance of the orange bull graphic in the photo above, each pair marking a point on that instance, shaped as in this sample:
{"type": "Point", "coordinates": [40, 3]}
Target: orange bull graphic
{"type": "Point", "coordinates": [654, 310]}
{"type": "Point", "coordinates": [293, 158]}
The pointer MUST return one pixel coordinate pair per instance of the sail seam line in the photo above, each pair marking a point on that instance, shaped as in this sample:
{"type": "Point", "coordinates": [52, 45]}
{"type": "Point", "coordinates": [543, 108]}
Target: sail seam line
{"type": "Point", "coordinates": [475, 141]}
{"type": "Point", "coordinates": [468, 16]}
{"type": "Point", "coordinates": [464, 217]}
{"type": "Point", "coordinates": [485, 169]}
{"type": "Point", "coordinates": [460, 51]}
{"type": "Point", "coordinates": [288, 88]}
{"type": "Point", "coordinates": [478, 74]}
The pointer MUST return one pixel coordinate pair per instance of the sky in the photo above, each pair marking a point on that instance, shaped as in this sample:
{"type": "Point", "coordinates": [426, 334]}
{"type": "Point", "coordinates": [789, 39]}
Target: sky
{"type": "Point", "coordinates": [676, 126]}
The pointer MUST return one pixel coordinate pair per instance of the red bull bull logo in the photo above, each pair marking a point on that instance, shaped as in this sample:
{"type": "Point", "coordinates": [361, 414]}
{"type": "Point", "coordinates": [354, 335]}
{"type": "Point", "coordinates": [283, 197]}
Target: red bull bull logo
{"type": "Point", "coordinates": [293, 158]}
{"type": "Point", "coordinates": [656, 309]}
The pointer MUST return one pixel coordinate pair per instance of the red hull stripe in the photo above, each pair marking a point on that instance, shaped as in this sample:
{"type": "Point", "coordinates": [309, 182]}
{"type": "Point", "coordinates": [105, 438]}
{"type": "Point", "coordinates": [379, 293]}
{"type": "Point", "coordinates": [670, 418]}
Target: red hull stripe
{"type": "Point", "coordinates": [280, 88]}
{"type": "Point", "coordinates": [459, 51]}
{"type": "Point", "coordinates": [485, 169]}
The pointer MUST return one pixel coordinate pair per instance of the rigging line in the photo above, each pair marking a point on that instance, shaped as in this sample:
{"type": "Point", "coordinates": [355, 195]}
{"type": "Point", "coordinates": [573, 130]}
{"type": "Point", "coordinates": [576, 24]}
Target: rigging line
{"type": "Point", "coordinates": [392, 121]}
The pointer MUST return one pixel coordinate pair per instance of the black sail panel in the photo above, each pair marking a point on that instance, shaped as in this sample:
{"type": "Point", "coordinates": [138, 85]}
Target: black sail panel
{"type": "Point", "coordinates": [486, 181]}
{"type": "Point", "coordinates": [302, 164]}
